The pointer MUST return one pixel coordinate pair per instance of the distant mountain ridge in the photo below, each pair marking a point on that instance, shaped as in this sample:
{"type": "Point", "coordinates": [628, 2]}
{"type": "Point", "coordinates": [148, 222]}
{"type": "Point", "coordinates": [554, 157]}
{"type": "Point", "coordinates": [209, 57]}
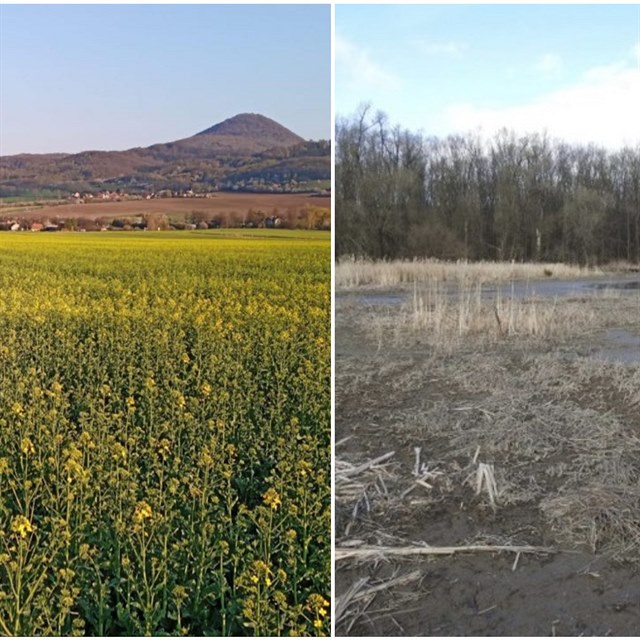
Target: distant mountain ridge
{"type": "Point", "coordinates": [246, 152]}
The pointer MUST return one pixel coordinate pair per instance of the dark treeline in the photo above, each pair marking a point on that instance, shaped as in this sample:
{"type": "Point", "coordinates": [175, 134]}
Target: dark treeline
{"type": "Point", "coordinates": [523, 198]}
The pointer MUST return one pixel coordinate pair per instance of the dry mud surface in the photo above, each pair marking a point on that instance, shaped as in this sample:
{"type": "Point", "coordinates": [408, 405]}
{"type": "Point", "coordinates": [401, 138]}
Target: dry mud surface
{"type": "Point", "coordinates": [558, 418]}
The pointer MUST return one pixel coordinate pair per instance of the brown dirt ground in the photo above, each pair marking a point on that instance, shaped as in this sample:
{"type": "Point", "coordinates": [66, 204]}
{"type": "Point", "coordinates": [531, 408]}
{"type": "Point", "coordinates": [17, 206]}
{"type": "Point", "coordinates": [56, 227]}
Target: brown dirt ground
{"type": "Point", "coordinates": [216, 205]}
{"type": "Point", "coordinates": [539, 410]}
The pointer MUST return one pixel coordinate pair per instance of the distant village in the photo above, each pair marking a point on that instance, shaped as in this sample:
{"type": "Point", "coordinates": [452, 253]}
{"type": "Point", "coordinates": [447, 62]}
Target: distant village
{"type": "Point", "coordinates": [309, 217]}
{"type": "Point", "coordinates": [119, 195]}
{"type": "Point", "coordinates": [132, 224]}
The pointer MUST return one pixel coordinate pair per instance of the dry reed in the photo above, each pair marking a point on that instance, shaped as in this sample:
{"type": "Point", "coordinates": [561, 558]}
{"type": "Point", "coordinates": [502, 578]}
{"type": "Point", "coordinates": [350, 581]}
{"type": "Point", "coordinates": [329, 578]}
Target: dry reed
{"type": "Point", "coordinates": [351, 273]}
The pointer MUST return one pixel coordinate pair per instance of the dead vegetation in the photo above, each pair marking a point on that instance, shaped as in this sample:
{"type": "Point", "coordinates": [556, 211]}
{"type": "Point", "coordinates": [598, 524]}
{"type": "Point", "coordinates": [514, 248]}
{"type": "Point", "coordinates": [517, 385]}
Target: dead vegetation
{"type": "Point", "coordinates": [355, 602]}
{"type": "Point", "coordinates": [353, 273]}
{"type": "Point", "coordinates": [504, 441]}
{"type": "Point", "coordinates": [606, 517]}
{"type": "Point", "coordinates": [446, 317]}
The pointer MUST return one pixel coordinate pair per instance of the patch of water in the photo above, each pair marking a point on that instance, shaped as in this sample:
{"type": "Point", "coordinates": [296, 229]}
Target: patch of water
{"type": "Point", "coordinates": [517, 290]}
{"type": "Point", "coordinates": [381, 299]}
{"type": "Point", "coordinates": [630, 285]}
{"type": "Point", "coordinates": [563, 288]}
{"type": "Point", "coordinates": [622, 346]}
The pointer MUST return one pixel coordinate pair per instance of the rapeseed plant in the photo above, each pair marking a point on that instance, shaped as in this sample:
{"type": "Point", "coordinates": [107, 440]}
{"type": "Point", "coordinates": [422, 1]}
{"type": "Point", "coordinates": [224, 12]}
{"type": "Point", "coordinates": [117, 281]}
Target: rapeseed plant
{"type": "Point", "coordinates": [164, 435]}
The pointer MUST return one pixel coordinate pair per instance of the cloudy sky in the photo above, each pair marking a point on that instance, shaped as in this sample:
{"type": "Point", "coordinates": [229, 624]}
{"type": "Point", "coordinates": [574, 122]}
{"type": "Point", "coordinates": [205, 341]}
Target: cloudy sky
{"type": "Point", "coordinates": [572, 70]}
{"type": "Point", "coordinates": [76, 77]}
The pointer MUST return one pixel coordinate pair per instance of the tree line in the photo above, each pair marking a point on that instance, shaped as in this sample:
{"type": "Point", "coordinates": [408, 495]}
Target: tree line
{"type": "Point", "coordinates": [400, 194]}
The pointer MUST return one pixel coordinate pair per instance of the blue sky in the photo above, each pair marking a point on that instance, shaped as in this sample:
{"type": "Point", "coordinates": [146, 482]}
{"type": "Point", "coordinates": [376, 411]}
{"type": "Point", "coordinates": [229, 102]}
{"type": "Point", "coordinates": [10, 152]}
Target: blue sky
{"type": "Point", "coordinates": [572, 70]}
{"type": "Point", "coordinates": [76, 77]}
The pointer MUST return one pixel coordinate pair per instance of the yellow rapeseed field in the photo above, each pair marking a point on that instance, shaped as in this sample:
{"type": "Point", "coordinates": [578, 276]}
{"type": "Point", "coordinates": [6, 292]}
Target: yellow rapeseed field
{"type": "Point", "coordinates": [165, 433]}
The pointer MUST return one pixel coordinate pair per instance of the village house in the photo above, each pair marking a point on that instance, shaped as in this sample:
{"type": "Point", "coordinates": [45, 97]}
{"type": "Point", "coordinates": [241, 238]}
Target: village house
{"type": "Point", "coordinates": [273, 222]}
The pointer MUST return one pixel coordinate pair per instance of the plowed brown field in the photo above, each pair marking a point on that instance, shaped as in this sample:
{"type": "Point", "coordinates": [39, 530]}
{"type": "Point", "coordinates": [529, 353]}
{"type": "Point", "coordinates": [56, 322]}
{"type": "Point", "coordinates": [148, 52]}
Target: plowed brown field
{"type": "Point", "coordinates": [216, 205]}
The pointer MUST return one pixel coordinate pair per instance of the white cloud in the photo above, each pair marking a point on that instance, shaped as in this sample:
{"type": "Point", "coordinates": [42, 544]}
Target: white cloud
{"type": "Point", "coordinates": [449, 48]}
{"type": "Point", "coordinates": [602, 107]}
{"type": "Point", "coordinates": [359, 68]}
{"type": "Point", "coordinates": [549, 64]}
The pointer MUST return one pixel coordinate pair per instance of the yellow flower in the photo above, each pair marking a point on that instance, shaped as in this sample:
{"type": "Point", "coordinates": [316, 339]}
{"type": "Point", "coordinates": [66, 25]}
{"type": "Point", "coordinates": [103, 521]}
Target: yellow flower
{"type": "Point", "coordinates": [205, 457]}
{"type": "Point", "coordinates": [21, 526]}
{"type": "Point", "coordinates": [66, 574]}
{"type": "Point", "coordinates": [26, 446]}
{"type": "Point", "coordinates": [164, 447]}
{"type": "Point", "coordinates": [4, 465]}
{"type": "Point", "coordinates": [74, 469]}
{"type": "Point", "coordinates": [272, 498]}
{"type": "Point", "coordinates": [291, 535]}
{"type": "Point", "coordinates": [85, 440]}
{"type": "Point", "coordinates": [179, 593]}
{"type": "Point", "coordinates": [318, 603]}
{"type": "Point", "coordinates": [77, 626]}
{"type": "Point", "coordinates": [142, 511]}
{"type": "Point", "coordinates": [16, 408]}
{"type": "Point", "coordinates": [119, 452]}
{"type": "Point", "coordinates": [280, 599]}
{"type": "Point", "coordinates": [66, 601]}
{"type": "Point", "coordinates": [317, 624]}
{"type": "Point", "coordinates": [205, 389]}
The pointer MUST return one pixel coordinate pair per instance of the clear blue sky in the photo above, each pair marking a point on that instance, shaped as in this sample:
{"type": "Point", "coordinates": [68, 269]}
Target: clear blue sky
{"type": "Point", "coordinates": [573, 70]}
{"type": "Point", "coordinates": [76, 77]}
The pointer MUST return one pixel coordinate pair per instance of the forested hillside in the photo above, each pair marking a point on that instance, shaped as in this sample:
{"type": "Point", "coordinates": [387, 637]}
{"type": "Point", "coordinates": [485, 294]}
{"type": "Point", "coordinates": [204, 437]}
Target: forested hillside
{"type": "Point", "coordinates": [400, 194]}
{"type": "Point", "coordinates": [248, 152]}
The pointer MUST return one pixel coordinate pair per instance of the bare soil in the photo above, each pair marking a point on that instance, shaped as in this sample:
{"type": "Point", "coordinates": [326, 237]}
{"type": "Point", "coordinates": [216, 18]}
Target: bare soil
{"type": "Point", "coordinates": [220, 203]}
{"type": "Point", "coordinates": [561, 427]}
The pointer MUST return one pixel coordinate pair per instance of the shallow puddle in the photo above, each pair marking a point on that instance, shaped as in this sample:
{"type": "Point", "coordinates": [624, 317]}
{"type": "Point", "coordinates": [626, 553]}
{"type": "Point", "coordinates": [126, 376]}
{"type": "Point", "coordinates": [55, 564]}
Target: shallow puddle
{"type": "Point", "coordinates": [516, 290]}
{"type": "Point", "coordinates": [629, 285]}
{"type": "Point", "coordinates": [562, 288]}
{"type": "Point", "coordinates": [381, 299]}
{"type": "Point", "coordinates": [622, 346]}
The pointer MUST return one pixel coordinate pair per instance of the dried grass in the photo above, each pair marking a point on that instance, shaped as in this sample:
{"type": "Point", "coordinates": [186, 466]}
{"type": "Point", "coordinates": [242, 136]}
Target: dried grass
{"type": "Point", "coordinates": [445, 316]}
{"type": "Point", "coordinates": [351, 273]}
{"type": "Point", "coordinates": [606, 519]}
{"type": "Point", "coordinates": [448, 318]}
